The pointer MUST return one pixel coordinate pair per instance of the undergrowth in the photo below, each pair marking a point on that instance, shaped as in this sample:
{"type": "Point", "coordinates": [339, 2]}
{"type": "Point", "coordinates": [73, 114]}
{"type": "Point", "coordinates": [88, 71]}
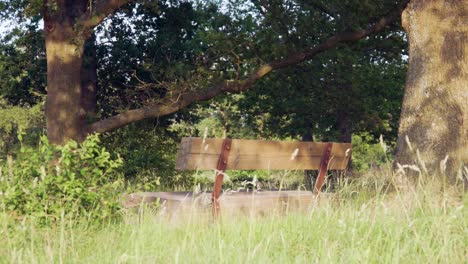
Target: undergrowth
{"type": "Point", "coordinates": [50, 182]}
{"type": "Point", "coordinates": [362, 221]}
{"type": "Point", "coordinates": [56, 203]}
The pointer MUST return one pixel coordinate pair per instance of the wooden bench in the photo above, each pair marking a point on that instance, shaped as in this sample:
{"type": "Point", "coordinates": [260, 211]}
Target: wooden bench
{"type": "Point", "coordinates": [239, 154]}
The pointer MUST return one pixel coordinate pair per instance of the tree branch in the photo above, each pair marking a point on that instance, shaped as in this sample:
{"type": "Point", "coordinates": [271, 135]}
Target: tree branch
{"type": "Point", "coordinates": [181, 100]}
{"type": "Point", "coordinates": [98, 12]}
{"type": "Point", "coordinates": [322, 8]}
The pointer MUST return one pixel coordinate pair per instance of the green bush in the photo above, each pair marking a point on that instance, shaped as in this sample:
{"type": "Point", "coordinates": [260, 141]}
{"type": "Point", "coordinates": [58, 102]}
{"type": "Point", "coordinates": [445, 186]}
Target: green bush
{"type": "Point", "coordinates": [367, 153]}
{"type": "Point", "coordinates": [49, 182]}
{"type": "Point", "coordinates": [17, 124]}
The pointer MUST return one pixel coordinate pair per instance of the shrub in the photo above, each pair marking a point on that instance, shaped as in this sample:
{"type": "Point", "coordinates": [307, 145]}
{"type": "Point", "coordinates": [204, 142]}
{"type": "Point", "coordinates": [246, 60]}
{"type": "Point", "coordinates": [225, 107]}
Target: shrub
{"type": "Point", "coordinates": [367, 153]}
{"type": "Point", "coordinates": [47, 182]}
{"type": "Point", "coordinates": [19, 124]}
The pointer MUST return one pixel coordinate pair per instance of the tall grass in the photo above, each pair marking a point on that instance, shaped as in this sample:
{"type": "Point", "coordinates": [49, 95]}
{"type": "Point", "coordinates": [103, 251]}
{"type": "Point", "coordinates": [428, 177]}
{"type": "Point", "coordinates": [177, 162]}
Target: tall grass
{"type": "Point", "coordinates": [360, 222]}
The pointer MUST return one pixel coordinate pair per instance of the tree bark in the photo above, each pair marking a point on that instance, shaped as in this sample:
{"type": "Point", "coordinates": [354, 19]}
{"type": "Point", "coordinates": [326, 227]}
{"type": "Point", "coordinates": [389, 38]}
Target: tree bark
{"type": "Point", "coordinates": [434, 118]}
{"type": "Point", "coordinates": [344, 126]}
{"type": "Point", "coordinates": [309, 175]}
{"type": "Point", "coordinates": [89, 84]}
{"type": "Point", "coordinates": [71, 85]}
{"type": "Point", "coordinates": [64, 113]}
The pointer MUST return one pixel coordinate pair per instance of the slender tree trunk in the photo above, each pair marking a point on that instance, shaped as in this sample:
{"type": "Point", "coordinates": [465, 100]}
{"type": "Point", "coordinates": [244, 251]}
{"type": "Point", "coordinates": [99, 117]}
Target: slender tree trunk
{"type": "Point", "coordinates": [344, 126]}
{"type": "Point", "coordinates": [89, 84]}
{"type": "Point", "coordinates": [309, 175]}
{"type": "Point", "coordinates": [434, 118]}
{"type": "Point", "coordinates": [64, 114]}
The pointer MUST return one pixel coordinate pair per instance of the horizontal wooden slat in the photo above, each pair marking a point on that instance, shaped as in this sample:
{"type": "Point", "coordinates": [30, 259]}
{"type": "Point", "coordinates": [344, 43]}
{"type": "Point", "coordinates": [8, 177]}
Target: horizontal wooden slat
{"type": "Point", "coordinates": [199, 153]}
{"type": "Point", "coordinates": [240, 162]}
{"type": "Point", "coordinates": [263, 147]}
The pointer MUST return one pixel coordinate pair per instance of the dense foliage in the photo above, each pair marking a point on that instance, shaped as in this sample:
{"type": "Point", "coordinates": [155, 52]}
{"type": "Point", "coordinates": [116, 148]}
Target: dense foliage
{"type": "Point", "coordinates": [19, 123]}
{"type": "Point", "coordinates": [51, 182]}
{"type": "Point", "coordinates": [147, 51]}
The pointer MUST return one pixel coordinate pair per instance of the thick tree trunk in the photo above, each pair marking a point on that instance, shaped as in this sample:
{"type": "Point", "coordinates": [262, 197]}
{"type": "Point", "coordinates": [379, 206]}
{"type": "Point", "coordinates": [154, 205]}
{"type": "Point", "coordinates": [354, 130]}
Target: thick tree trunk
{"type": "Point", "coordinates": [71, 88]}
{"type": "Point", "coordinates": [64, 114]}
{"type": "Point", "coordinates": [71, 81]}
{"type": "Point", "coordinates": [434, 116]}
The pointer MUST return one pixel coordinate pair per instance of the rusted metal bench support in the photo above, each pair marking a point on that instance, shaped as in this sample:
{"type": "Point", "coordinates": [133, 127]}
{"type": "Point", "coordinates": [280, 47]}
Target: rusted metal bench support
{"type": "Point", "coordinates": [323, 168]}
{"type": "Point", "coordinates": [220, 168]}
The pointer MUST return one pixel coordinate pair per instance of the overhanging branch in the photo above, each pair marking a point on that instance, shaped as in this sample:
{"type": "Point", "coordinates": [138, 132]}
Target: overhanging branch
{"type": "Point", "coordinates": [179, 101]}
{"type": "Point", "coordinates": [322, 8]}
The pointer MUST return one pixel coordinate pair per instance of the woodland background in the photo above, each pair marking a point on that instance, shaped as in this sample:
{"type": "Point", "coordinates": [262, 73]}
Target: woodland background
{"type": "Point", "coordinates": [146, 51]}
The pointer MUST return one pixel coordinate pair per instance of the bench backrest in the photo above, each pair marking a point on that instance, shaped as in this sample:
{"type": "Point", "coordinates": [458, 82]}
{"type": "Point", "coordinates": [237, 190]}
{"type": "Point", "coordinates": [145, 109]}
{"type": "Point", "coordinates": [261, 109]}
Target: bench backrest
{"type": "Point", "coordinates": [204, 153]}
{"type": "Point", "coordinates": [240, 154]}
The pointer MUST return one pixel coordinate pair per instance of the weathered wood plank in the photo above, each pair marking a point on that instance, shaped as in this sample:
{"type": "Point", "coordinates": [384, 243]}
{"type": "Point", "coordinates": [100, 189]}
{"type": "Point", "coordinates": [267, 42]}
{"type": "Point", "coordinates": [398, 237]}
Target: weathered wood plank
{"type": "Point", "coordinates": [265, 147]}
{"type": "Point", "coordinates": [203, 154]}
{"type": "Point", "coordinates": [242, 162]}
{"type": "Point", "coordinates": [182, 204]}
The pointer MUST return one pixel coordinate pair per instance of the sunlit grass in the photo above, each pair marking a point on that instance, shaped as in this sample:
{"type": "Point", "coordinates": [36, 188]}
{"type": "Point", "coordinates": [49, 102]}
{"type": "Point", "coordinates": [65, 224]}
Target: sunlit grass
{"type": "Point", "coordinates": [427, 224]}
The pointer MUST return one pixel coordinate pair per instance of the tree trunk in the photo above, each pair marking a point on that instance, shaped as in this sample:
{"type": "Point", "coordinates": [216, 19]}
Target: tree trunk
{"type": "Point", "coordinates": [344, 126]}
{"type": "Point", "coordinates": [89, 81]}
{"type": "Point", "coordinates": [309, 175]}
{"type": "Point", "coordinates": [434, 116]}
{"type": "Point", "coordinates": [64, 114]}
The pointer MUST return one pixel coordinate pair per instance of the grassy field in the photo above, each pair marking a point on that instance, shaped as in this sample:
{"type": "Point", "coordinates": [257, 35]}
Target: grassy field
{"type": "Point", "coordinates": [426, 225]}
